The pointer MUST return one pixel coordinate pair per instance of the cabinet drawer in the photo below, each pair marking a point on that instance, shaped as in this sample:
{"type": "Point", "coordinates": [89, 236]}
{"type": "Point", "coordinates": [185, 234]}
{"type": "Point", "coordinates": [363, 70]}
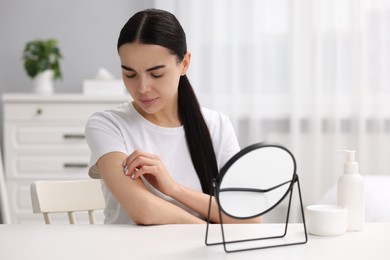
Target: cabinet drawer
{"type": "Point", "coordinates": [50, 135]}
{"type": "Point", "coordinates": [55, 111]}
{"type": "Point", "coordinates": [49, 167]}
{"type": "Point", "coordinates": [51, 164]}
{"type": "Point", "coordinates": [19, 195]}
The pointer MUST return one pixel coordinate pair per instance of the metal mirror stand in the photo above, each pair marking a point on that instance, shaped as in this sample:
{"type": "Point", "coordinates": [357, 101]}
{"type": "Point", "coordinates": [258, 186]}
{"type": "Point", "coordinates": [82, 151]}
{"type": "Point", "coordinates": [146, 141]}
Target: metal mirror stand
{"type": "Point", "coordinates": [277, 238]}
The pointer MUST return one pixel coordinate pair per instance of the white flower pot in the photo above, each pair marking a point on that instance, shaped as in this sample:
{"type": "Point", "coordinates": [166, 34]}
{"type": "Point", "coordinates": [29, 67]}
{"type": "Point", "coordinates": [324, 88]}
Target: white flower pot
{"type": "Point", "coordinates": [43, 82]}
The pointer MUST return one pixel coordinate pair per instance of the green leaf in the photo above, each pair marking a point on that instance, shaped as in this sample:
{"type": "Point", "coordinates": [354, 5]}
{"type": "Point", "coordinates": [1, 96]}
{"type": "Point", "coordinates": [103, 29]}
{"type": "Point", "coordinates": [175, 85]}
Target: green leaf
{"type": "Point", "coordinates": [40, 55]}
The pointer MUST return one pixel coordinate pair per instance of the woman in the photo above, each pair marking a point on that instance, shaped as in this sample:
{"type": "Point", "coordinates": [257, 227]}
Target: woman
{"type": "Point", "coordinates": [158, 154]}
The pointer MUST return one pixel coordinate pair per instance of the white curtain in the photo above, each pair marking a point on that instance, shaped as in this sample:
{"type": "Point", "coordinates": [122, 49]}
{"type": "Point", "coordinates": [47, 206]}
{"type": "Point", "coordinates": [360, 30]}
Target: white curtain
{"type": "Point", "coordinates": [313, 75]}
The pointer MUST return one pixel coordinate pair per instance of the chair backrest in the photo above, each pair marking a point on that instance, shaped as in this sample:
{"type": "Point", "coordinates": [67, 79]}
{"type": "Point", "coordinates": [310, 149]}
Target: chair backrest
{"type": "Point", "coordinates": [67, 197]}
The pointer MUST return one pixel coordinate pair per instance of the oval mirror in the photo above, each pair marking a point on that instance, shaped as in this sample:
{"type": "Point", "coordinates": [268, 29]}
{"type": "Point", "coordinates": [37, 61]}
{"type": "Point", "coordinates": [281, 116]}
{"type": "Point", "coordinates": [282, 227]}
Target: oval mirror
{"type": "Point", "coordinates": [255, 180]}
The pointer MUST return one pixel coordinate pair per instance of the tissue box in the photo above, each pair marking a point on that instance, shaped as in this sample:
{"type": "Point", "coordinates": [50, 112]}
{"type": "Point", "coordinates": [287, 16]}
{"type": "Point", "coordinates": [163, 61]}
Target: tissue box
{"type": "Point", "coordinates": [104, 87]}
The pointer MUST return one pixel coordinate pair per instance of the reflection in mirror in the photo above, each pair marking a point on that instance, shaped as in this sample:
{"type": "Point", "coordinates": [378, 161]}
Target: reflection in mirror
{"type": "Point", "coordinates": [255, 181]}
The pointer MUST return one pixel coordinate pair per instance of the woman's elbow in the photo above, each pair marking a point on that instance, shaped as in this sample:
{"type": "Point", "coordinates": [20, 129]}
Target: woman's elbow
{"type": "Point", "coordinates": [145, 213]}
{"type": "Point", "coordinates": [143, 218]}
{"type": "Point", "coordinates": [143, 222]}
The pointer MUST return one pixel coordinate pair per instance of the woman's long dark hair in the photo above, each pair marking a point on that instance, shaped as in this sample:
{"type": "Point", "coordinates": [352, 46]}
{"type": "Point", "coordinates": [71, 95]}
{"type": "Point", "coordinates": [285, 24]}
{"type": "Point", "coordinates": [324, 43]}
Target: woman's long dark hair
{"type": "Point", "coordinates": [159, 27]}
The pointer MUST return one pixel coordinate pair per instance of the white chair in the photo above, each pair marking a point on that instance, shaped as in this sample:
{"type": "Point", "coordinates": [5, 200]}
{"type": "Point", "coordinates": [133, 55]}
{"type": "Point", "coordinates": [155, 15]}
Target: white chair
{"type": "Point", "coordinates": [67, 197]}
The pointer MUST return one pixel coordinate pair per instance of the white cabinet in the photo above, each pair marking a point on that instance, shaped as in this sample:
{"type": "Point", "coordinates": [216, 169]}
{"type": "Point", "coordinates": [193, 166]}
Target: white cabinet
{"type": "Point", "coordinates": [44, 139]}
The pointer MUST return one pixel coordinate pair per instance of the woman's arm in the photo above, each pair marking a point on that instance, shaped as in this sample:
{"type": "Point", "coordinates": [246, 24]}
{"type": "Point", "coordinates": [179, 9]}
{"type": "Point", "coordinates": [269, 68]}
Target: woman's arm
{"type": "Point", "coordinates": [141, 205]}
{"type": "Point", "coordinates": [152, 168]}
{"type": "Point", "coordinates": [199, 202]}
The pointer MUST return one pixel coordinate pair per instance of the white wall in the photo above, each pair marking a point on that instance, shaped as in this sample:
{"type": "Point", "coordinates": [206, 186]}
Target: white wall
{"type": "Point", "coordinates": [87, 31]}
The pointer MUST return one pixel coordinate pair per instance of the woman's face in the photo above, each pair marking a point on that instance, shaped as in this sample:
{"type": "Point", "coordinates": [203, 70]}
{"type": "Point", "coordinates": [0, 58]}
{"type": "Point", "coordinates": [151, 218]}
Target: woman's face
{"type": "Point", "coordinates": [151, 75]}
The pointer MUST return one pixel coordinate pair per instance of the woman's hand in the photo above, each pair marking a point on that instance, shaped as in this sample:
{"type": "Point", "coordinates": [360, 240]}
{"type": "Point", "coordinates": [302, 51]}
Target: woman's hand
{"type": "Point", "coordinates": [152, 168]}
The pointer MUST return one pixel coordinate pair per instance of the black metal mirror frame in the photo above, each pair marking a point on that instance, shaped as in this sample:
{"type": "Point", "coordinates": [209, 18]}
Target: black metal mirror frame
{"type": "Point", "coordinates": [216, 192]}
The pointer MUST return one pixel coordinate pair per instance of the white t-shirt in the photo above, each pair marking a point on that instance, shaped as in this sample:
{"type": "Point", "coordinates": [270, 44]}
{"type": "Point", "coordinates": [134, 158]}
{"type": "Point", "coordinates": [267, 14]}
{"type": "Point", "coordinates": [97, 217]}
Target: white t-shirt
{"type": "Point", "coordinates": [123, 129]}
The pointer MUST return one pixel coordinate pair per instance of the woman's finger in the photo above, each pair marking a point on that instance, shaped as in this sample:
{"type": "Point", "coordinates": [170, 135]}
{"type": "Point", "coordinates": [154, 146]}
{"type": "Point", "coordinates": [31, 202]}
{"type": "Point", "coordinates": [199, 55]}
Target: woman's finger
{"type": "Point", "coordinates": [147, 169]}
{"type": "Point", "coordinates": [136, 154]}
{"type": "Point", "coordinates": [133, 166]}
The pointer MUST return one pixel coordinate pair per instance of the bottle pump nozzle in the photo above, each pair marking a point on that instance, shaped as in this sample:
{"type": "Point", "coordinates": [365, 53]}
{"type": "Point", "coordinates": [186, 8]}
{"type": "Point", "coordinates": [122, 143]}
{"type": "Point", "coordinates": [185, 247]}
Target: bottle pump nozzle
{"type": "Point", "coordinates": [350, 165]}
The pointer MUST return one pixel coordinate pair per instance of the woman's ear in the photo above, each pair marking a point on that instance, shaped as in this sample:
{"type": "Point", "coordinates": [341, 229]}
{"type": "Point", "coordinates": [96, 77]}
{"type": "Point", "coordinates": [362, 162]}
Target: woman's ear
{"type": "Point", "coordinates": [186, 63]}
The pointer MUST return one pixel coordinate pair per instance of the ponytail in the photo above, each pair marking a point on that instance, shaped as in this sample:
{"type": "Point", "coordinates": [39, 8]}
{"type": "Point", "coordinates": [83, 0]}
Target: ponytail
{"type": "Point", "coordinates": [197, 135]}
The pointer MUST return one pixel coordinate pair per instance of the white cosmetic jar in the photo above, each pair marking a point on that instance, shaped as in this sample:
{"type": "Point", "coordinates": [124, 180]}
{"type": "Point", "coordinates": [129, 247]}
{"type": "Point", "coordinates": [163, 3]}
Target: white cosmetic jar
{"type": "Point", "coordinates": [326, 220]}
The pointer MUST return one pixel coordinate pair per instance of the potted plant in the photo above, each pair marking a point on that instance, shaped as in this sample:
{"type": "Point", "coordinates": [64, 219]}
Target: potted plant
{"type": "Point", "coordinates": [42, 64]}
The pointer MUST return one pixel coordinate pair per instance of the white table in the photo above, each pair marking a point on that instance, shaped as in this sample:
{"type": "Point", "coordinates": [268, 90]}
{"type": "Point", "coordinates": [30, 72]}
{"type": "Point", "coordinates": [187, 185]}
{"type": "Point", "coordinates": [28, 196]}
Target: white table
{"type": "Point", "coordinates": [29, 242]}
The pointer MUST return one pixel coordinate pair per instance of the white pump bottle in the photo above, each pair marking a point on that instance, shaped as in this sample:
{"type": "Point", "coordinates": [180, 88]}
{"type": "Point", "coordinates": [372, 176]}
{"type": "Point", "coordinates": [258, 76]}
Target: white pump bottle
{"type": "Point", "coordinates": [350, 193]}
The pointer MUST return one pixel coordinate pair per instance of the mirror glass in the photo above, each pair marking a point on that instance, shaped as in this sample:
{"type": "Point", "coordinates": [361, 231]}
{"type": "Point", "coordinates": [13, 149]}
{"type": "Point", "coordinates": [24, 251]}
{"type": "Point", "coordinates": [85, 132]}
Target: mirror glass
{"type": "Point", "coordinates": [255, 180]}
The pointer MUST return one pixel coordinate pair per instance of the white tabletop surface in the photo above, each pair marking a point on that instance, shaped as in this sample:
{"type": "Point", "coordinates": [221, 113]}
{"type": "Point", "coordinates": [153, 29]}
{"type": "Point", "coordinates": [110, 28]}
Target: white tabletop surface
{"type": "Point", "coordinates": [30, 242]}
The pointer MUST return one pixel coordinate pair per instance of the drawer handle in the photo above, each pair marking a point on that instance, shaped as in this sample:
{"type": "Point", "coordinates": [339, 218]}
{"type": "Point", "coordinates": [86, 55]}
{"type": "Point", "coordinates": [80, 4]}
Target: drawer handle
{"type": "Point", "coordinates": [74, 136]}
{"type": "Point", "coordinates": [75, 165]}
